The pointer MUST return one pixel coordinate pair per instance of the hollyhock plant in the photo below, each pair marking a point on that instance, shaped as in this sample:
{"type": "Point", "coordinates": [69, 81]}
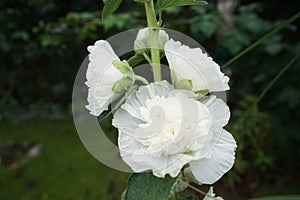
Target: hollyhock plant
{"type": "Point", "coordinates": [167, 129]}
{"type": "Point", "coordinates": [170, 127]}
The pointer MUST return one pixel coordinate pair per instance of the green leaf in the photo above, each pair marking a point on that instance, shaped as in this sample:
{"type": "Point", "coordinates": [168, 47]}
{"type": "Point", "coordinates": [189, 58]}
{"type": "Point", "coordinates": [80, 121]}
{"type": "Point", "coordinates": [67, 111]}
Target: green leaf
{"type": "Point", "coordinates": [184, 84]}
{"type": "Point", "coordinates": [162, 4]}
{"type": "Point", "coordinates": [207, 24]}
{"type": "Point", "coordinates": [234, 40]}
{"type": "Point", "coordinates": [110, 6]}
{"type": "Point", "coordinates": [146, 186]}
{"type": "Point", "coordinates": [274, 45]}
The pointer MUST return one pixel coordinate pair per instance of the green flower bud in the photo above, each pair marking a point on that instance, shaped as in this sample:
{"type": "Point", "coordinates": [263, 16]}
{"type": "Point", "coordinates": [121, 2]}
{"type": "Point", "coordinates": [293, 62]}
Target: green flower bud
{"type": "Point", "coordinates": [123, 66]}
{"type": "Point", "coordinates": [122, 84]}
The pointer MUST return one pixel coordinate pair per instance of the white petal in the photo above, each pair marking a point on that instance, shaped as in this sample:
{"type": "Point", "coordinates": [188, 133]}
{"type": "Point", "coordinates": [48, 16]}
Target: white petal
{"type": "Point", "coordinates": [101, 76]}
{"type": "Point", "coordinates": [219, 110]}
{"type": "Point", "coordinates": [193, 64]}
{"type": "Point", "coordinates": [144, 36]}
{"type": "Point", "coordinates": [133, 153]}
{"type": "Point", "coordinates": [209, 170]}
{"type": "Point", "coordinates": [125, 122]}
{"type": "Point", "coordinates": [188, 175]}
{"type": "Point", "coordinates": [128, 150]}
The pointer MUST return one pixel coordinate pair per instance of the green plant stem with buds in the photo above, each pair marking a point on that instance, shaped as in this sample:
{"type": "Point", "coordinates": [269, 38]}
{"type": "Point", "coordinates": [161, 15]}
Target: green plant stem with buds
{"type": "Point", "coordinates": [154, 31]}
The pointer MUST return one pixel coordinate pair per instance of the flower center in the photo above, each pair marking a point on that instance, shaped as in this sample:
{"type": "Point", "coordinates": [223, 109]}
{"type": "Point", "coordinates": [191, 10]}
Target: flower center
{"type": "Point", "coordinates": [168, 130]}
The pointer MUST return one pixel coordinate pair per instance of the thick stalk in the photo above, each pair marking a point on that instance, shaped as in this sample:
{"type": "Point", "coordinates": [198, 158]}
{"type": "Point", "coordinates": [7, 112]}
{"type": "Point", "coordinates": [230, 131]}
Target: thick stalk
{"type": "Point", "coordinates": [154, 31]}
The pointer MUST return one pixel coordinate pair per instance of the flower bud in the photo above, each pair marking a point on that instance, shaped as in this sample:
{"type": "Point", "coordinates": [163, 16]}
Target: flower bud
{"type": "Point", "coordinates": [123, 66]}
{"type": "Point", "coordinates": [122, 84]}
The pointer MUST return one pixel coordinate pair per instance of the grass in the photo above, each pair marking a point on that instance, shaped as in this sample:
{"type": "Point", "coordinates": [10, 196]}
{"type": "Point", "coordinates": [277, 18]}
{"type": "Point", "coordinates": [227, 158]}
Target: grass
{"type": "Point", "coordinates": [64, 170]}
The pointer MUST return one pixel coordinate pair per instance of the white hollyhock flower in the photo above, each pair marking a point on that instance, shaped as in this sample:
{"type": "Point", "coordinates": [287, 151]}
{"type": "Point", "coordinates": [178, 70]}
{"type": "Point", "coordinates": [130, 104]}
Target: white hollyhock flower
{"type": "Point", "coordinates": [192, 64]}
{"type": "Point", "coordinates": [162, 129]}
{"type": "Point", "coordinates": [101, 76]}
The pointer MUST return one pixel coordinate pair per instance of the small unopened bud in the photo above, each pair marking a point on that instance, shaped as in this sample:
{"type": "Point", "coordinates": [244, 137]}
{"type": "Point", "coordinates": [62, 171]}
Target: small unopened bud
{"type": "Point", "coordinates": [122, 84]}
{"type": "Point", "coordinates": [123, 66]}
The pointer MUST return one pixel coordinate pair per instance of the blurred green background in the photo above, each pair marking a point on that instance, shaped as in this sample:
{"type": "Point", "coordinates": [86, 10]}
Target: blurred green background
{"type": "Point", "coordinates": [42, 44]}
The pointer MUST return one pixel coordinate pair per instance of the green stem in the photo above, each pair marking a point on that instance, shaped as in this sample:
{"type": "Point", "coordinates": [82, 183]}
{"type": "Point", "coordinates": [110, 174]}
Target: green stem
{"type": "Point", "coordinates": [154, 31]}
{"type": "Point", "coordinates": [147, 57]}
{"type": "Point", "coordinates": [139, 78]}
{"type": "Point", "coordinates": [150, 13]}
{"type": "Point", "coordinates": [194, 188]}
{"type": "Point", "coordinates": [275, 79]}
{"type": "Point", "coordinates": [160, 17]}
{"type": "Point", "coordinates": [275, 30]}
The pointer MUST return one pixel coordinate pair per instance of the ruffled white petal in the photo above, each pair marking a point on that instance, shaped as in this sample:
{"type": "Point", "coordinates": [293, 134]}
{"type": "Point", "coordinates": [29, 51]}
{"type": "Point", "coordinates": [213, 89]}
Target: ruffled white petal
{"type": "Point", "coordinates": [194, 65]}
{"type": "Point", "coordinates": [219, 110]}
{"type": "Point", "coordinates": [140, 160]}
{"type": "Point", "coordinates": [211, 169]}
{"type": "Point", "coordinates": [101, 76]}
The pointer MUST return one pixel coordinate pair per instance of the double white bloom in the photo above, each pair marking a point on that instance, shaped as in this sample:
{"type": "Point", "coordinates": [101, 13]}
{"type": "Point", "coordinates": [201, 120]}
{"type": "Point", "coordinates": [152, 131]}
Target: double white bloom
{"type": "Point", "coordinates": [162, 128]}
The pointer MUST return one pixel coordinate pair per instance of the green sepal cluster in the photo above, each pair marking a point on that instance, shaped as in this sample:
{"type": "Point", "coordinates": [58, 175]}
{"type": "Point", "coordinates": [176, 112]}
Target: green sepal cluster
{"type": "Point", "coordinates": [128, 79]}
{"type": "Point", "coordinates": [122, 84]}
{"type": "Point", "coordinates": [123, 67]}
